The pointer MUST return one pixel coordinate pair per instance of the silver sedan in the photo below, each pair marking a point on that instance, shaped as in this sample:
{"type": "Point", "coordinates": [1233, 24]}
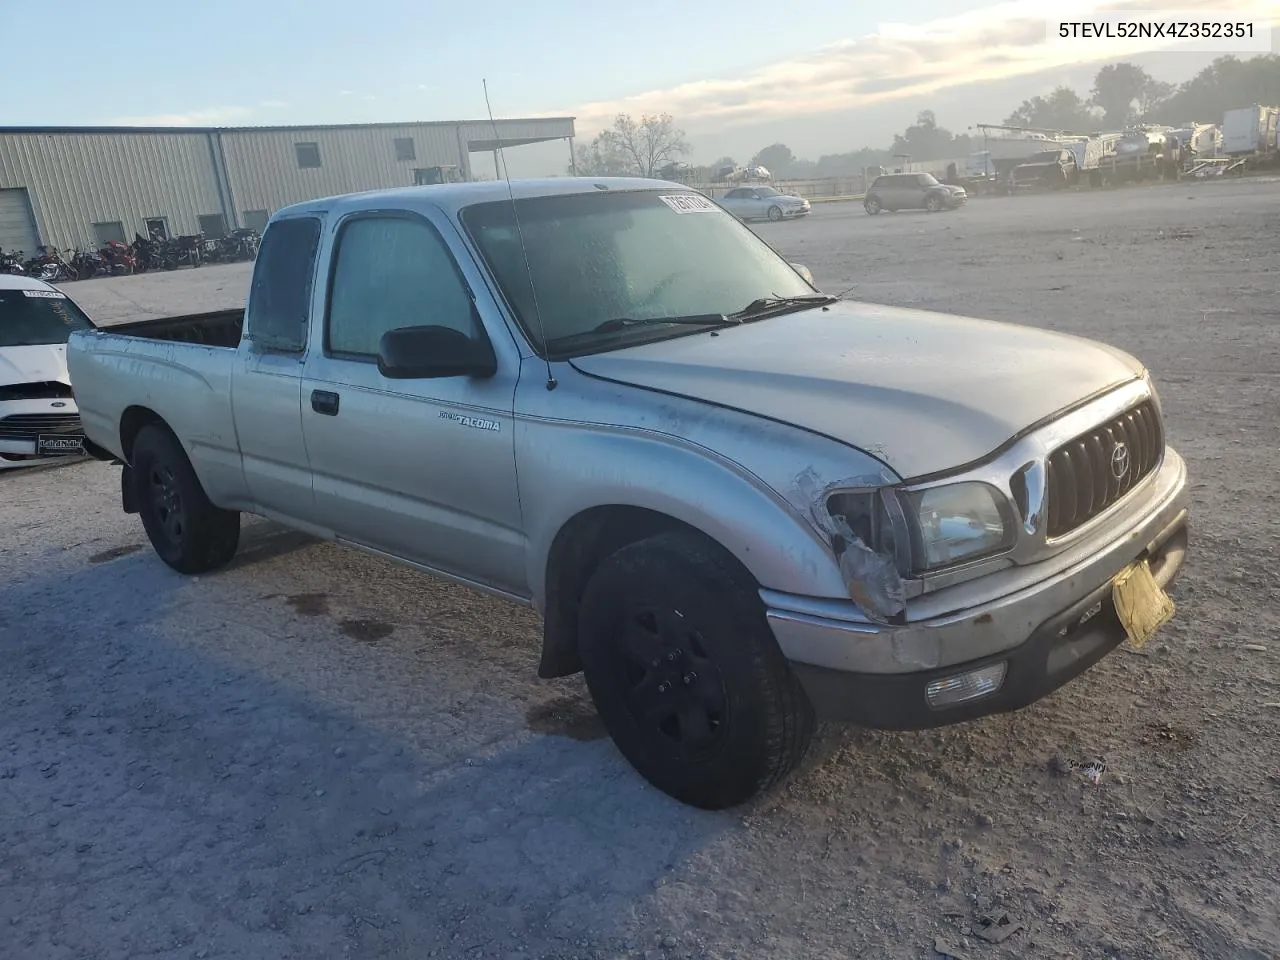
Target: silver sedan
{"type": "Point", "coordinates": [761, 203]}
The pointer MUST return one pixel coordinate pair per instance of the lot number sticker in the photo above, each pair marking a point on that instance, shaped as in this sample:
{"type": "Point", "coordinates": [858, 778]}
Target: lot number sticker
{"type": "Point", "coordinates": [44, 294]}
{"type": "Point", "coordinates": [689, 203]}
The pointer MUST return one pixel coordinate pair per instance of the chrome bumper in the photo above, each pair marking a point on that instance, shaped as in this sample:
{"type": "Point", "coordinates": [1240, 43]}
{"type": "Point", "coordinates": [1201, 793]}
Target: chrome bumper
{"type": "Point", "coordinates": [835, 635]}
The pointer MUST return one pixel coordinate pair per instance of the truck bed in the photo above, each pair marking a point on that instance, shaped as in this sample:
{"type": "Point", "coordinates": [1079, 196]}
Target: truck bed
{"type": "Point", "coordinates": [179, 365]}
{"type": "Point", "coordinates": [217, 328]}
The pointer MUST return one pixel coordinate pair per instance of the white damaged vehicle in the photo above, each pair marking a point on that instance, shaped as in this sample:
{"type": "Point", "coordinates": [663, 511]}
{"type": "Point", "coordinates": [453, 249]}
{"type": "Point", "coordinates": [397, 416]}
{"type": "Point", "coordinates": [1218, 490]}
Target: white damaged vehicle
{"type": "Point", "coordinates": [39, 420]}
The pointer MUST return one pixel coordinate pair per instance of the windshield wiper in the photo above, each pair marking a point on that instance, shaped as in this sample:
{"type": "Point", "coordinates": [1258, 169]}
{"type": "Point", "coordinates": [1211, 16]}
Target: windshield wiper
{"type": "Point", "coordinates": [693, 320]}
{"type": "Point", "coordinates": [767, 305]}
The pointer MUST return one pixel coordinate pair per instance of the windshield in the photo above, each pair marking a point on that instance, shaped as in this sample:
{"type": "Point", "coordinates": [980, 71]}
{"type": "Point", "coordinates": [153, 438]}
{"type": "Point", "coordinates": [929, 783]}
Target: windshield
{"type": "Point", "coordinates": [30, 318]}
{"type": "Point", "coordinates": [930, 180]}
{"type": "Point", "coordinates": [768, 192]}
{"type": "Point", "coordinates": [637, 254]}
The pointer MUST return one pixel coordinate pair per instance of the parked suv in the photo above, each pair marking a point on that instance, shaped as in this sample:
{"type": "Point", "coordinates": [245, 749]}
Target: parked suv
{"type": "Point", "coordinates": [912, 191]}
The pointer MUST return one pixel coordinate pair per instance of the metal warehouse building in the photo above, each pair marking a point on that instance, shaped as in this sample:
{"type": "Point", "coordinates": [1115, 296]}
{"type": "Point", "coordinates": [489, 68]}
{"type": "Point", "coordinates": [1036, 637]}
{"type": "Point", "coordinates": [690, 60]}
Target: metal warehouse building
{"type": "Point", "coordinates": [79, 187]}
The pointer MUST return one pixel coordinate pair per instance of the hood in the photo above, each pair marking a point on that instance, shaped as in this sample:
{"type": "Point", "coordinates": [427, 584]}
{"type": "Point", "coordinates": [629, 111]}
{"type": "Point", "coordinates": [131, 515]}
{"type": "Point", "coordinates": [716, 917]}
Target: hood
{"type": "Point", "coordinates": [34, 364]}
{"type": "Point", "coordinates": [923, 392]}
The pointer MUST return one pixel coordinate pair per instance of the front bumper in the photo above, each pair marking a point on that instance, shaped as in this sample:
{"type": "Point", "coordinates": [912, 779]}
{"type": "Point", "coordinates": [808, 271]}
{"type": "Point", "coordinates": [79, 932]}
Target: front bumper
{"type": "Point", "coordinates": [24, 422]}
{"type": "Point", "coordinates": [1045, 633]}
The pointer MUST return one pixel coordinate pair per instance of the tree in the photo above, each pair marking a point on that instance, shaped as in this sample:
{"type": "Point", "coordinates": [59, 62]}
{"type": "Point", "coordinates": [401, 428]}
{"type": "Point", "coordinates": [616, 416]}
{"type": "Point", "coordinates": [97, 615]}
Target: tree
{"type": "Point", "coordinates": [925, 140]}
{"type": "Point", "coordinates": [592, 160]}
{"type": "Point", "coordinates": [1226, 83]}
{"type": "Point", "coordinates": [1061, 110]}
{"type": "Point", "coordinates": [853, 163]}
{"type": "Point", "coordinates": [643, 146]}
{"type": "Point", "coordinates": [1125, 92]}
{"type": "Point", "coordinates": [722, 163]}
{"type": "Point", "coordinates": [777, 158]}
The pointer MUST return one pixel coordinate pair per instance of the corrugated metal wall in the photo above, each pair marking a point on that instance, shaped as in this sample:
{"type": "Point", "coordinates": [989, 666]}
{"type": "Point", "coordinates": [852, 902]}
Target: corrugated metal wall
{"type": "Point", "coordinates": [77, 179]}
{"type": "Point", "coordinates": [262, 165]}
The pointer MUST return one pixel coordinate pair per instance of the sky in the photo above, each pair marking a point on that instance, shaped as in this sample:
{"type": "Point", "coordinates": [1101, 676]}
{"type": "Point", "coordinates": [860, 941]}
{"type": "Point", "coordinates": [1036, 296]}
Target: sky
{"type": "Point", "coordinates": [823, 76]}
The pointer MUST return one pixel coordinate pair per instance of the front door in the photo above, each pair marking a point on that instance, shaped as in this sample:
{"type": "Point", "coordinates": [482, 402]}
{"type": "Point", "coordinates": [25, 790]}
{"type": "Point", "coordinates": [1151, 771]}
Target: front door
{"type": "Point", "coordinates": [421, 469]}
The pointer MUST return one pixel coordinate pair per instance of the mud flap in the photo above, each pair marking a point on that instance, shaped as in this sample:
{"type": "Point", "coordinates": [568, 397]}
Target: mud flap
{"type": "Point", "coordinates": [128, 490]}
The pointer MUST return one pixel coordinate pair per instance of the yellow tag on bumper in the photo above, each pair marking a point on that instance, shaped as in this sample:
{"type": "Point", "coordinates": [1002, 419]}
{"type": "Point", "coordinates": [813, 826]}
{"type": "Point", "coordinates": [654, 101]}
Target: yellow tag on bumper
{"type": "Point", "coordinates": [1143, 607]}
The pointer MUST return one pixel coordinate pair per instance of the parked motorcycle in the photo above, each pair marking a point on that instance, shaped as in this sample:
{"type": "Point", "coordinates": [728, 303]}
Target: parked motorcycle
{"type": "Point", "coordinates": [13, 262]}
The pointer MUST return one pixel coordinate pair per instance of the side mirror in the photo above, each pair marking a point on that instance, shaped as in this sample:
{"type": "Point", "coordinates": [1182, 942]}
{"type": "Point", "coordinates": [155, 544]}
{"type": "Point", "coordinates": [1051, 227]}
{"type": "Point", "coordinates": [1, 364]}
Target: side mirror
{"type": "Point", "coordinates": [801, 269]}
{"type": "Point", "coordinates": [430, 352]}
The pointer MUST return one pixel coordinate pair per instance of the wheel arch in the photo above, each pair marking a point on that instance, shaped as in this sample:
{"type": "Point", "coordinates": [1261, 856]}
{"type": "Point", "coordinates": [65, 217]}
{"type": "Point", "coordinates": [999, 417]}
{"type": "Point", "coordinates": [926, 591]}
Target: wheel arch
{"type": "Point", "coordinates": [132, 420]}
{"type": "Point", "coordinates": [579, 546]}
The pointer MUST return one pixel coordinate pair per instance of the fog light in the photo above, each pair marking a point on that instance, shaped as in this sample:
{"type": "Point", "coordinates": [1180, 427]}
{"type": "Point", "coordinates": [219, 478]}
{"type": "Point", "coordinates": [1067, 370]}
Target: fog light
{"type": "Point", "coordinates": [964, 687]}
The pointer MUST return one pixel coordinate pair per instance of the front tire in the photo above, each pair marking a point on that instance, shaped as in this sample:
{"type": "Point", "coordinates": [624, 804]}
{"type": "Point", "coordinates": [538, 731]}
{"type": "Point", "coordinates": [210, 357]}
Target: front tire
{"type": "Point", "coordinates": [186, 530]}
{"type": "Point", "coordinates": [686, 674]}
{"type": "Point", "coordinates": [872, 206]}
{"type": "Point", "coordinates": [775, 213]}
{"type": "Point", "coordinates": [933, 204]}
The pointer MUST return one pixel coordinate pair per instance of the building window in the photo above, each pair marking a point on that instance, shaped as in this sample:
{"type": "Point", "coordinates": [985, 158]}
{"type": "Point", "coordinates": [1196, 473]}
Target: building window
{"type": "Point", "coordinates": [157, 228]}
{"type": "Point", "coordinates": [256, 220]}
{"type": "Point", "coordinates": [107, 231]}
{"type": "Point", "coordinates": [213, 226]}
{"type": "Point", "coordinates": [308, 155]}
{"type": "Point", "coordinates": [405, 149]}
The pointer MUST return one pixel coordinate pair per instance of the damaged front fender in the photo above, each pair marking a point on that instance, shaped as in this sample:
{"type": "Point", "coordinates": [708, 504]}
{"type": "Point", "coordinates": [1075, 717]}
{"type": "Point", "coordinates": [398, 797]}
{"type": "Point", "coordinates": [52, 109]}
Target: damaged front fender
{"type": "Point", "coordinates": [867, 557]}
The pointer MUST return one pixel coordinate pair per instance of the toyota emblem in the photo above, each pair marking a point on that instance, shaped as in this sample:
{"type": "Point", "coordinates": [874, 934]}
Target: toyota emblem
{"type": "Point", "coordinates": [1120, 460]}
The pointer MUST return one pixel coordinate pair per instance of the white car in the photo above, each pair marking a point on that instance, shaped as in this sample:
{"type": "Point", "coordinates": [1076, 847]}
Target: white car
{"type": "Point", "coordinates": [39, 419]}
{"type": "Point", "coordinates": [761, 203]}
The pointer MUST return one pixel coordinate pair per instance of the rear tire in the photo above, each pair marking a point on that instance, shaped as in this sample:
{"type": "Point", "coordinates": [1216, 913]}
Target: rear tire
{"type": "Point", "coordinates": [186, 530]}
{"type": "Point", "coordinates": [686, 674]}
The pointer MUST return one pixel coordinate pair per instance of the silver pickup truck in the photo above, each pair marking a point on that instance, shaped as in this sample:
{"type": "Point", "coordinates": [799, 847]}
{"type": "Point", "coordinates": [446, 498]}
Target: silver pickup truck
{"type": "Point", "coordinates": [737, 503]}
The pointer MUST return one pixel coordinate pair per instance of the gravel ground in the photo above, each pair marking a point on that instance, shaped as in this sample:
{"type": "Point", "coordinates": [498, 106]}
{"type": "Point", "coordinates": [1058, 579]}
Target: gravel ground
{"type": "Point", "coordinates": [315, 753]}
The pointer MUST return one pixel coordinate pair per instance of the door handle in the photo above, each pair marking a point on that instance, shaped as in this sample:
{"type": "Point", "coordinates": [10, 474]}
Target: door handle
{"type": "Point", "coordinates": [324, 401]}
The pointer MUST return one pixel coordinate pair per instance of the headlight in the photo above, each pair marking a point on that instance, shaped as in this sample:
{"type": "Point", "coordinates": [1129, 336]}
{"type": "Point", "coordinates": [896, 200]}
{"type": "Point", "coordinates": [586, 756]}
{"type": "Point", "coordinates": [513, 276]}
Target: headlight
{"type": "Point", "coordinates": [960, 522]}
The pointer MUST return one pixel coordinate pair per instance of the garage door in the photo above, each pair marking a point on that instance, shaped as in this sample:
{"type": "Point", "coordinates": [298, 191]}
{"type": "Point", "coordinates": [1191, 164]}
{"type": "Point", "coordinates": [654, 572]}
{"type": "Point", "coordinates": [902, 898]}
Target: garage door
{"type": "Point", "coordinates": [17, 231]}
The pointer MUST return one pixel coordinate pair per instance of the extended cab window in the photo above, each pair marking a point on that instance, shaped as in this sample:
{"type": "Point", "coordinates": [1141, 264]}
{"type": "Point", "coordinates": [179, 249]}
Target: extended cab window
{"type": "Point", "coordinates": [391, 272]}
{"type": "Point", "coordinates": [280, 296]}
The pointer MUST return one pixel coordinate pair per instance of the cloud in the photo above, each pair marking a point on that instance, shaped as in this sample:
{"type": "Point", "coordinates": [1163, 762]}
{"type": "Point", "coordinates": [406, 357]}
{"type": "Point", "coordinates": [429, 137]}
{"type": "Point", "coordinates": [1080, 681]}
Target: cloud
{"type": "Point", "coordinates": [899, 61]}
{"type": "Point", "coordinates": [206, 117]}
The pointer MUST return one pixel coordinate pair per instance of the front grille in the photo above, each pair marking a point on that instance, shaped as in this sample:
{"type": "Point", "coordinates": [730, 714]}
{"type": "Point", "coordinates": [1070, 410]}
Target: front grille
{"type": "Point", "coordinates": [1080, 475]}
{"type": "Point", "coordinates": [27, 426]}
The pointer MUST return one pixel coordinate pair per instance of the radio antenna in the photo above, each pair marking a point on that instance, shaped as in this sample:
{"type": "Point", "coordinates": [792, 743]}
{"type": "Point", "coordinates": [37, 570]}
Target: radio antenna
{"type": "Point", "coordinates": [524, 252]}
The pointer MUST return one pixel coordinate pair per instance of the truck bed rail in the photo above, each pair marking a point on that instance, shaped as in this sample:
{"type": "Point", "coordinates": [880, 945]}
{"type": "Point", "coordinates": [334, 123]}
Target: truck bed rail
{"type": "Point", "coordinates": [217, 328]}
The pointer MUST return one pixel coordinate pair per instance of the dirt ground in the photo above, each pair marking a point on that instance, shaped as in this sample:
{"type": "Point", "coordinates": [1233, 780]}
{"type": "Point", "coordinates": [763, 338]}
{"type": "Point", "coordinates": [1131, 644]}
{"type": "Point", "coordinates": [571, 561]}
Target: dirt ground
{"type": "Point", "coordinates": [318, 754]}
